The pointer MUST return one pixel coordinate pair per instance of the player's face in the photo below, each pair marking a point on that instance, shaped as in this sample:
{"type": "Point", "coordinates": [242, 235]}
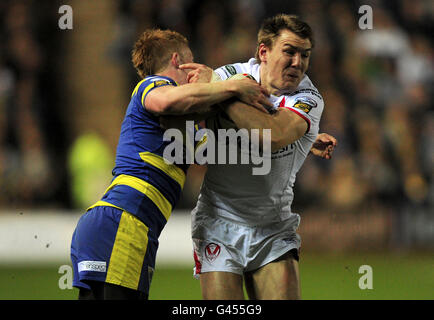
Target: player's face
{"type": "Point", "coordinates": [286, 63]}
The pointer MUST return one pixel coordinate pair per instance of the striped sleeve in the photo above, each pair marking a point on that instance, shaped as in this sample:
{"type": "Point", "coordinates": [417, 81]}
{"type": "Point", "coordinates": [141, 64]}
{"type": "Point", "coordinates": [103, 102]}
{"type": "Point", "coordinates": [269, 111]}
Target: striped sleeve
{"type": "Point", "coordinates": [148, 84]}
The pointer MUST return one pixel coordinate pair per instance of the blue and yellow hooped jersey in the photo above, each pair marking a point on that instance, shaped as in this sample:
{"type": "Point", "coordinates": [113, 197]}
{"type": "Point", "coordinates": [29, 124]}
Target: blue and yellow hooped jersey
{"type": "Point", "coordinates": [144, 184]}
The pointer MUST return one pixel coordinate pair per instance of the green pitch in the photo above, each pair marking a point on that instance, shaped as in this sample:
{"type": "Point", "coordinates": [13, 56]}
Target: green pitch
{"type": "Point", "coordinates": [322, 277]}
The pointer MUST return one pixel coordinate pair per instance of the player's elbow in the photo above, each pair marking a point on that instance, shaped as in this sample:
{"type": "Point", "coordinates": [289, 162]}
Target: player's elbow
{"type": "Point", "coordinates": [286, 129]}
{"type": "Point", "coordinates": [277, 144]}
{"type": "Point", "coordinates": [281, 138]}
{"type": "Point", "coordinates": [272, 138]}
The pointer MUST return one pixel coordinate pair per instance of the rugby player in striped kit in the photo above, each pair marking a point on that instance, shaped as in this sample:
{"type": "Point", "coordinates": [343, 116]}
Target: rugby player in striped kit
{"type": "Point", "coordinates": [114, 245]}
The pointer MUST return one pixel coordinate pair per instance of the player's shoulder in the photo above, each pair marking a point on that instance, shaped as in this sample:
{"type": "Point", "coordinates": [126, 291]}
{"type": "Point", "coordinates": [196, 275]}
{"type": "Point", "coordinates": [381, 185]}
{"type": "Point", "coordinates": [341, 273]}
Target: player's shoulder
{"type": "Point", "coordinates": [306, 98]}
{"type": "Point", "coordinates": [229, 70]}
{"type": "Point", "coordinates": [306, 88]}
{"type": "Point", "coordinates": [151, 82]}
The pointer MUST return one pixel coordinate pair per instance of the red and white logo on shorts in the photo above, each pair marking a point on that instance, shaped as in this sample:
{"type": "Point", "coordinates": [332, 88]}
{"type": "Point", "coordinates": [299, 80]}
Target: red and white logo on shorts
{"type": "Point", "coordinates": [212, 251]}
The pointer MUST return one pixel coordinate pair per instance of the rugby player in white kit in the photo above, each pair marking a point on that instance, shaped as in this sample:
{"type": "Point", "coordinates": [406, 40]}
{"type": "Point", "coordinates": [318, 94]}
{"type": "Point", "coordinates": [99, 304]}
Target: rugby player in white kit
{"type": "Point", "coordinates": [243, 226]}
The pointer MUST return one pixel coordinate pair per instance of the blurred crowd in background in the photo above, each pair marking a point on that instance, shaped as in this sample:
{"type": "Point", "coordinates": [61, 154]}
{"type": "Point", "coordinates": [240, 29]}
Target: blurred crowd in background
{"type": "Point", "coordinates": [377, 86]}
{"type": "Point", "coordinates": [32, 137]}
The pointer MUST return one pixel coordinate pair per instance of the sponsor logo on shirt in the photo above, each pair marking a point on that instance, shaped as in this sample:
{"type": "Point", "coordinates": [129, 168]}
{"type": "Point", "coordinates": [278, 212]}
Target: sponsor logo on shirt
{"type": "Point", "coordinates": [161, 83]}
{"type": "Point", "coordinates": [230, 69]}
{"type": "Point", "coordinates": [305, 104]}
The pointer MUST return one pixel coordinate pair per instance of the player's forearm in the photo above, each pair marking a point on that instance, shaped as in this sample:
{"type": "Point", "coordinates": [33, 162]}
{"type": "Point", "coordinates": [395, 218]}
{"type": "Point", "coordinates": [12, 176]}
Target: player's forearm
{"type": "Point", "coordinates": [282, 131]}
{"type": "Point", "coordinates": [197, 98]}
{"type": "Point", "coordinates": [246, 117]}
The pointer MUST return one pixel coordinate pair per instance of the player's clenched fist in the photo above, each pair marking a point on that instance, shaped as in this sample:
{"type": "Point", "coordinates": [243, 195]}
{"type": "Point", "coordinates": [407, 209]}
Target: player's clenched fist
{"type": "Point", "coordinates": [324, 146]}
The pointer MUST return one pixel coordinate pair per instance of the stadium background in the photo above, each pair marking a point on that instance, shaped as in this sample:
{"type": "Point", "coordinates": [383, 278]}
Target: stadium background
{"type": "Point", "coordinates": [62, 98]}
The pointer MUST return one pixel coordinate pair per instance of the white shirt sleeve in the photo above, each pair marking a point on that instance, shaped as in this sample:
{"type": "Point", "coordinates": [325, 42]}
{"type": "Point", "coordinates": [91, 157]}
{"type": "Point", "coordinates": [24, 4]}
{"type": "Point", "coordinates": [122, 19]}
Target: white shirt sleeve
{"type": "Point", "coordinates": [229, 70]}
{"type": "Point", "coordinates": [308, 104]}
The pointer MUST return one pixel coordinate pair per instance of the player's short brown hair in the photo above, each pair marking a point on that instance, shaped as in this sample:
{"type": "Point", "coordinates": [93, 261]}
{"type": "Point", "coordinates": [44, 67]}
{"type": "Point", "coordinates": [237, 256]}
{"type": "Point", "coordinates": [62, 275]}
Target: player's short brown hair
{"type": "Point", "coordinates": [271, 28]}
{"type": "Point", "coordinates": [153, 50]}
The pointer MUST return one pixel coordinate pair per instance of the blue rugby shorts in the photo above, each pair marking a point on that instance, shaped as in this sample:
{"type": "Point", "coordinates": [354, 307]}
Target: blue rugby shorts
{"type": "Point", "coordinates": [113, 246]}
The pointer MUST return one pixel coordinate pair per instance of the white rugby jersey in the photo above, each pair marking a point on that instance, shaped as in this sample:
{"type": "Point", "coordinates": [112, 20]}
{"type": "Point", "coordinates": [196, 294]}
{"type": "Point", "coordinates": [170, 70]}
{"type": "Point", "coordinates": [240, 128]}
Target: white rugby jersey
{"type": "Point", "coordinates": [233, 192]}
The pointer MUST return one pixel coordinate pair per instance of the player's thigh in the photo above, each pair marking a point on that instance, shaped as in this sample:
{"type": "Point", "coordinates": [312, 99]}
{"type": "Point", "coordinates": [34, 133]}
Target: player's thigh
{"type": "Point", "coordinates": [107, 291]}
{"type": "Point", "coordinates": [277, 280]}
{"type": "Point", "coordinates": [115, 292]}
{"type": "Point", "coordinates": [96, 291]}
{"type": "Point", "coordinates": [221, 286]}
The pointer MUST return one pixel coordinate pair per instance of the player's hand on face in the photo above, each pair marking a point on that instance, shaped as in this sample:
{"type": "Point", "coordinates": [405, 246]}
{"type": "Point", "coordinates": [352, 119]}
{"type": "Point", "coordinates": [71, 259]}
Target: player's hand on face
{"type": "Point", "coordinates": [324, 146]}
{"type": "Point", "coordinates": [252, 93]}
{"type": "Point", "coordinates": [197, 73]}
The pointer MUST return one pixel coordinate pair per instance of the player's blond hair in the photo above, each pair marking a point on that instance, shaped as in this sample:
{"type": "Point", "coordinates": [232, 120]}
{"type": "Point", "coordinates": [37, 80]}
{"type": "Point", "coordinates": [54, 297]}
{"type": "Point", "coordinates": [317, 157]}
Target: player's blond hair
{"type": "Point", "coordinates": [153, 50]}
{"type": "Point", "coordinates": [271, 28]}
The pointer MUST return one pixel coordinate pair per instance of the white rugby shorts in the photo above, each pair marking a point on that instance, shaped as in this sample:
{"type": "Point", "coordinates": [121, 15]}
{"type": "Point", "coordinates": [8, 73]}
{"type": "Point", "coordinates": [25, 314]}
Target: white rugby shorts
{"type": "Point", "coordinates": [220, 244]}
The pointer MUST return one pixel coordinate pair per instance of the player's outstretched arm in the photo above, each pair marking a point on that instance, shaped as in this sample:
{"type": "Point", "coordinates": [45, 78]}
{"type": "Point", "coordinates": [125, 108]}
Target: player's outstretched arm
{"type": "Point", "coordinates": [199, 97]}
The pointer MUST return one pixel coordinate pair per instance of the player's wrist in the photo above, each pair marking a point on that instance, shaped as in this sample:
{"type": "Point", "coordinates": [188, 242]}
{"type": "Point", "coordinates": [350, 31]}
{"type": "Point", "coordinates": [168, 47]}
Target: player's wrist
{"type": "Point", "coordinates": [232, 87]}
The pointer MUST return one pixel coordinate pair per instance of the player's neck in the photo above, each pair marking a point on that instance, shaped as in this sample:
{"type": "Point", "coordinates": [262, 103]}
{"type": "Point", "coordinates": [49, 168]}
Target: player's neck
{"type": "Point", "coordinates": [170, 73]}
